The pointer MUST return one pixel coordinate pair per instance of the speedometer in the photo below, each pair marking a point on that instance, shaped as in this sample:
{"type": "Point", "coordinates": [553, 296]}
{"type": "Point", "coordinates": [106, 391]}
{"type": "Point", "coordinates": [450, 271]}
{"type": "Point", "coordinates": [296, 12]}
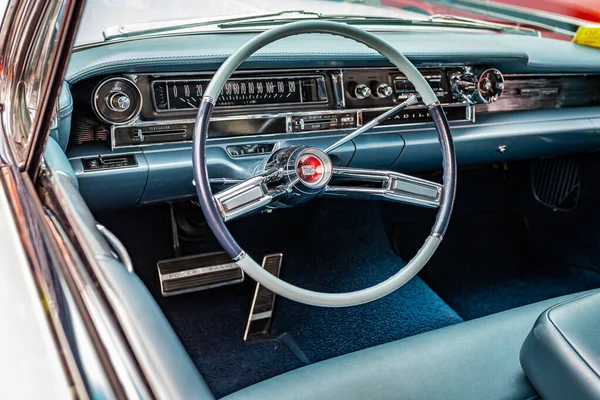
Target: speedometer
{"type": "Point", "coordinates": [186, 94]}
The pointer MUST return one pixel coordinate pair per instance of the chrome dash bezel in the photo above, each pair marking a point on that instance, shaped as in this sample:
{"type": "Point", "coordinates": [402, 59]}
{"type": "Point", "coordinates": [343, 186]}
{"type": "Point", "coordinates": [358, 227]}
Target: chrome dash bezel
{"type": "Point", "coordinates": [321, 87]}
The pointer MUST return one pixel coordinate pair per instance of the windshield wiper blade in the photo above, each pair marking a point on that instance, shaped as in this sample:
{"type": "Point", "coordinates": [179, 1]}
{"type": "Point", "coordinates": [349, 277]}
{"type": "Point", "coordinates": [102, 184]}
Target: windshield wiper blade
{"type": "Point", "coordinates": [142, 29]}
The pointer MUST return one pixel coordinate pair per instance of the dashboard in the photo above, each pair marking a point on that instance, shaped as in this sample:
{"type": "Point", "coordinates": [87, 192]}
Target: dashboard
{"type": "Point", "coordinates": [130, 130]}
{"type": "Point", "coordinates": [160, 108]}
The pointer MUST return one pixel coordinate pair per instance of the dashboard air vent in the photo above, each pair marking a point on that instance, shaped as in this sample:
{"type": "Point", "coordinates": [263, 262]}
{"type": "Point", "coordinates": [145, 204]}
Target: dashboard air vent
{"type": "Point", "coordinates": [87, 129]}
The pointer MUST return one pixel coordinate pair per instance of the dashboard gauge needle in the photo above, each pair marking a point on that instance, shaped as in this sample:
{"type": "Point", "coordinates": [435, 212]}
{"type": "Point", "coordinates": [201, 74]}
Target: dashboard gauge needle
{"type": "Point", "coordinates": [188, 102]}
{"type": "Point", "coordinates": [412, 100]}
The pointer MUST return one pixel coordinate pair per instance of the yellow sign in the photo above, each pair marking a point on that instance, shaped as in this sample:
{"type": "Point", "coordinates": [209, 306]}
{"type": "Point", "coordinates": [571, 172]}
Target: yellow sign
{"type": "Point", "coordinates": [587, 36]}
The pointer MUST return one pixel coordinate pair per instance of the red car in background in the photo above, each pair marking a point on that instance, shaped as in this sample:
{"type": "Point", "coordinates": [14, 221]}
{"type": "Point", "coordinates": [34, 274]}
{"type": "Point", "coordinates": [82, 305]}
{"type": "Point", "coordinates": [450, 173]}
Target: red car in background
{"type": "Point", "coordinates": [554, 18]}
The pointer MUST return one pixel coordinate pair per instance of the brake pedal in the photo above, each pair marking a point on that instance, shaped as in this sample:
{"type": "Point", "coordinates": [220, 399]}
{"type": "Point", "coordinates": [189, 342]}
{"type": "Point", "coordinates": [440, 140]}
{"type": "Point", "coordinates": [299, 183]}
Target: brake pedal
{"type": "Point", "coordinates": [199, 272]}
{"type": "Point", "coordinates": [263, 302]}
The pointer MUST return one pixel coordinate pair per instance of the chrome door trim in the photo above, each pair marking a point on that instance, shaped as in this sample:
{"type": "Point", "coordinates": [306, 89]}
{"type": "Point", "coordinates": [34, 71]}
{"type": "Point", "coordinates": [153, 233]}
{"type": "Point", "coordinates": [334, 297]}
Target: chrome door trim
{"type": "Point", "coordinates": [42, 31]}
{"type": "Point", "coordinates": [47, 257]}
{"type": "Point", "coordinates": [84, 270]}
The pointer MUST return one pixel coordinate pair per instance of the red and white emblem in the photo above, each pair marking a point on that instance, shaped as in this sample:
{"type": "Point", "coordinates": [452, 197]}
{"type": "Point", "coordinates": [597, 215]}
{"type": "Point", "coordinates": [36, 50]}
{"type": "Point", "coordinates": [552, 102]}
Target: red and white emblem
{"type": "Point", "coordinates": [310, 169]}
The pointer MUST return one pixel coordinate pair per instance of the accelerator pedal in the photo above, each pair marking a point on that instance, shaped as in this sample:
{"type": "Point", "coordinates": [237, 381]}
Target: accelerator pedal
{"type": "Point", "coordinates": [263, 302]}
{"type": "Point", "coordinates": [198, 272]}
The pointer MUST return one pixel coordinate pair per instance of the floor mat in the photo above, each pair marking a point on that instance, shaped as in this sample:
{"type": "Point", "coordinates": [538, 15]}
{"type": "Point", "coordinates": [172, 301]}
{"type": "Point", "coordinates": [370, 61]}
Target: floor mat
{"type": "Point", "coordinates": [487, 263]}
{"type": "Point", "coordinates": [329, 246]}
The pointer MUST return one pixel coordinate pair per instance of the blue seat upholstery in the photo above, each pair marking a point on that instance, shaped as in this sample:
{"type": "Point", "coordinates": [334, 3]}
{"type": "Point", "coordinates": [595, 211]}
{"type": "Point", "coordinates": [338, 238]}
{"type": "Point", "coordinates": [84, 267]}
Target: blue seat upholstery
{"type": "Point", "coordinates": [478, 359]}
{"type": "Point", "coordinates": [561, 355]}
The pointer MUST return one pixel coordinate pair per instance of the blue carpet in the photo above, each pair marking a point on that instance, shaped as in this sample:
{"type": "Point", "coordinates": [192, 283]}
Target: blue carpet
{"type": "Point", "coordinates": [331, 246]}
{"type": "Point", "coordinates": [337, 246]}
{"type": "Point", "coordinates": [488, 263]}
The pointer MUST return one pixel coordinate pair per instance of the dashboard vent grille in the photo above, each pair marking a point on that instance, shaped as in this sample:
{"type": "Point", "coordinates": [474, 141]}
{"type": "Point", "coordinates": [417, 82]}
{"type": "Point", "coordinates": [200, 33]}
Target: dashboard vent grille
{"type": "Point", "coordinates": [87, 129]}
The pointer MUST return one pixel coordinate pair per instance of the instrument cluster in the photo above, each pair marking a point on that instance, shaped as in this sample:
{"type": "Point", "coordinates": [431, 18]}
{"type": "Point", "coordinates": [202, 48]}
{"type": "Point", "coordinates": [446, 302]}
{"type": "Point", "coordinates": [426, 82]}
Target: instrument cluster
{"type": "Point", "coordinates": [186, 94]}
{"type": "Point", "coordinates": [154, 109]}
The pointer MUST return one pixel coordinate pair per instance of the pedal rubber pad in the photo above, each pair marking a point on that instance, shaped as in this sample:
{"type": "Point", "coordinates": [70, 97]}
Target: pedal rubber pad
{"type": "Point", "coordinates": [258, 326]}
{"type": "Point", "coordinates": [198, 272]}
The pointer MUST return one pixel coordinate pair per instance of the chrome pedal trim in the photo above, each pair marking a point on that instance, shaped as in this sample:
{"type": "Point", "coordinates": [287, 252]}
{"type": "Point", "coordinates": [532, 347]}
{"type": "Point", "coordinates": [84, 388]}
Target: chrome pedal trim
{"type": "Point", "coordinates": [260, 317]}
{"type": "Point", "coordinates": [198, 272]}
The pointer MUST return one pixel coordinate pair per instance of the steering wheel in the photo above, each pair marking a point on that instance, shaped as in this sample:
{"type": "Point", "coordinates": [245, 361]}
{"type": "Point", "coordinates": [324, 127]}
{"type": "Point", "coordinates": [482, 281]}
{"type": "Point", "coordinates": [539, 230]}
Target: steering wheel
{"type": "Point", "coordinates": [296, 174]}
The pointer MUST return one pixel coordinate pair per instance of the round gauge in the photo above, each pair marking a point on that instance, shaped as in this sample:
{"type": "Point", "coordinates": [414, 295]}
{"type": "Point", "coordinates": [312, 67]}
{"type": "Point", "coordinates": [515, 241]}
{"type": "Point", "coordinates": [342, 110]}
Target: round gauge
{"type": "Point", "coordinates": [117, 100]}
{"type": "Point", "coordinates": [490, 85]}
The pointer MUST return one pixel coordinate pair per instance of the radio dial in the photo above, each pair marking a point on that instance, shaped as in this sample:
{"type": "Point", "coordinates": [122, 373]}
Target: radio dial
{"type": "Point", "coordinates": [384, 90]}
{"type": "Point", "coordinates": [362, 91]}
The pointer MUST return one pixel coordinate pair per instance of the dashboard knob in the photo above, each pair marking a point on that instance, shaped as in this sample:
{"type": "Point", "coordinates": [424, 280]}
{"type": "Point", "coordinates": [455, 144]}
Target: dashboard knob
{"type": "Point", "coordinates": [119, 102]}
{"type": "Point", "coordinates": [384, 90]}
{"type": "Point", "coordinates": [487, 88]}
{"type": "Point", "coordinates": [362, 91]}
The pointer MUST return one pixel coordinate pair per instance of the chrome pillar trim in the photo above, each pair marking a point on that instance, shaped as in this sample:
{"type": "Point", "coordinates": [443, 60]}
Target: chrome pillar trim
{"type": "Point", "coordinates": [50, 262]}
{"type": "Point", "coordinates": [412, 100]}
{"type": "Point", "coordinates": [120, 250]}
{"type": "Point", "coordinates": [394, 187]}
{"type": "Point", "coordinates": [36, 41]}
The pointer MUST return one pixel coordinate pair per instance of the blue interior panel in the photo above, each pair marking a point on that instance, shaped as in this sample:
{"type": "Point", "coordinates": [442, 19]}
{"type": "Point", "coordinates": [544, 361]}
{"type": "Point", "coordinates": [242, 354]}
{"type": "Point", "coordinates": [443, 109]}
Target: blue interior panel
{"type": "Point", "coordinates": [377, 151]}
{"type": "Point", "coordinates": [114, 188]}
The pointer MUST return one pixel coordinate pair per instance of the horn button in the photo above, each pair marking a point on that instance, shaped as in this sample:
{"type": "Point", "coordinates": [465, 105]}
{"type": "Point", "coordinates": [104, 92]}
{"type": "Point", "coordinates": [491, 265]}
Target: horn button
{"type": "Point", "coordinates": [305, 171]}
{"type": "Point", "coordinates": [310, 169]}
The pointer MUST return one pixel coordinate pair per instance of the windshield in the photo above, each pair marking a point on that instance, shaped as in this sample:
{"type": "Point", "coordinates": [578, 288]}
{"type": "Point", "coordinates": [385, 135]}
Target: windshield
{"type": "Point", "coordinates": [556, 18]}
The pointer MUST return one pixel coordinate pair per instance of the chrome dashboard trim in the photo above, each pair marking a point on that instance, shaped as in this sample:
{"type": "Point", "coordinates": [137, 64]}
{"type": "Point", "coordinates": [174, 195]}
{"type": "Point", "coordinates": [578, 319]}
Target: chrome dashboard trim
{"type": "Point", "coordinates": [338, 88]}
{"type": "Point", "coordinates": [469, 116]}
{"type": "Point", "coordinates": [320, 83]}
{"type": "Point", "coordinates": [545, 74]}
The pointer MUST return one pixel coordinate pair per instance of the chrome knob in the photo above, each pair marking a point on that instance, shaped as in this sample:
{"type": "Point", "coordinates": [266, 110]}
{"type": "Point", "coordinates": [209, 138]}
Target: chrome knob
{"type": "Point", "coordinates": [384, 90]}
{"type": "Point", "coordinates": [362, 91]}
{"type": "Point", "coordinates": [119, 102]}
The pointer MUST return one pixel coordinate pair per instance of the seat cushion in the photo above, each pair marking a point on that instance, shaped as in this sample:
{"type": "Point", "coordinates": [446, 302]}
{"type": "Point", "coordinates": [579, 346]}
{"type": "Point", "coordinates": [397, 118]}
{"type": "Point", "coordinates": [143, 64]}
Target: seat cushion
{"type": "Point", "coordinates": [472, 360]}
{"type": "Point", "coordinates": [561, 355]}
